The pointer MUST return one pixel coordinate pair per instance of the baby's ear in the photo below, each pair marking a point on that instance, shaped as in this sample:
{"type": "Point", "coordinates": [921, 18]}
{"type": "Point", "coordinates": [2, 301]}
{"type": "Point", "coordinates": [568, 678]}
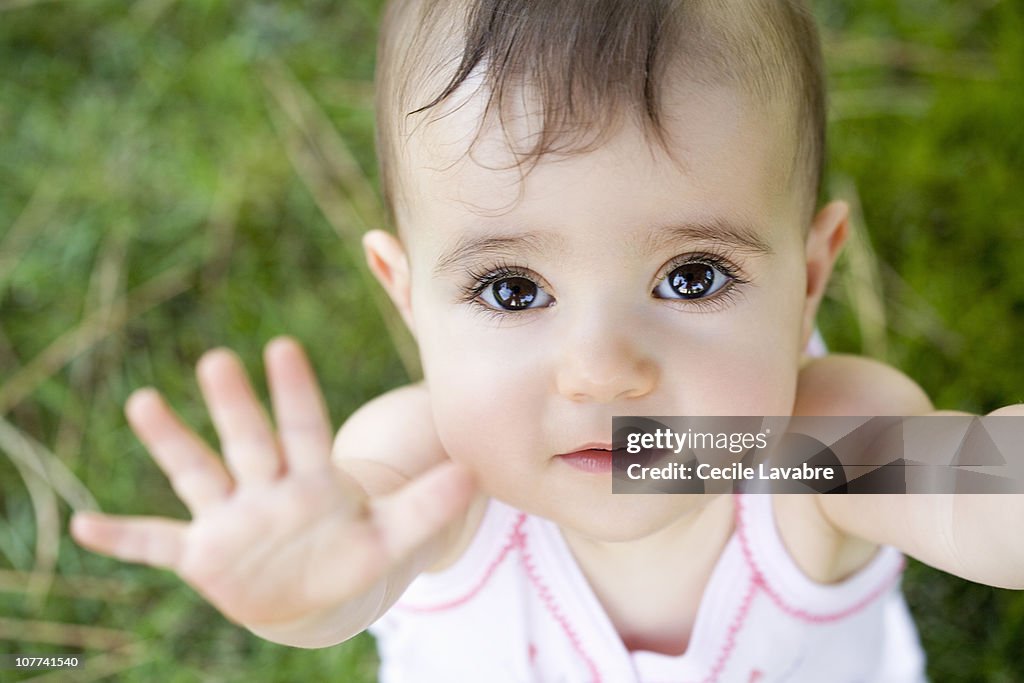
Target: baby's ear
{"type": "Point", "coordinates": [824, 240]}
{"type": "Point", "coordinates": [390, 265]}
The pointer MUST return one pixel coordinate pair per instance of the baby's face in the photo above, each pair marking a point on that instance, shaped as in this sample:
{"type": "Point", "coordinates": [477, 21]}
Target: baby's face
{"type": "Point", "coordinates": [618, 283]}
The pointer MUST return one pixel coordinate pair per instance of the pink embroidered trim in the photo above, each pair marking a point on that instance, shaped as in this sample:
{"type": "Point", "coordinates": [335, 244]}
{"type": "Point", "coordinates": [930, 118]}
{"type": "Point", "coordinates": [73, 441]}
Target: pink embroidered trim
{"type": "Point", "coordinates": [796, 612]}
{"type": "Point", "coordinates": [757, 584]}
{"type": "Point", "coordinates": [549, 602]}
{"type": "Point", "coordinates": [517, 539]}
{"type": "Point", "coordinates": [730, 636]}
{"type": "Point", "coordinates": [733, 631]}
{"type": "Point", "coordinates": [513, 542]}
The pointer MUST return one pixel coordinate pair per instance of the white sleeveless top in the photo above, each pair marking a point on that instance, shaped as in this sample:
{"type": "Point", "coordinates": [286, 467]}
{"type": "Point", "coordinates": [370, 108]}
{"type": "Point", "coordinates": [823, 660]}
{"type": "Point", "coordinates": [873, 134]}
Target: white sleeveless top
{"type": "Point", "coordinates": [517, 607]}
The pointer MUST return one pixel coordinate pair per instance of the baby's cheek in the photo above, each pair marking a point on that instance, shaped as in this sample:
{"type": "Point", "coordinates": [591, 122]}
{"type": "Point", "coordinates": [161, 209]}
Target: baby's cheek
{"type": "Point", "coordinates": [738, 378]}
{"type": "Point", "coordinates": [482, 388]}
{"type": "Point", "coordinates": [480, 420]}
{"type": "Point", "coordinates": [770, 387]}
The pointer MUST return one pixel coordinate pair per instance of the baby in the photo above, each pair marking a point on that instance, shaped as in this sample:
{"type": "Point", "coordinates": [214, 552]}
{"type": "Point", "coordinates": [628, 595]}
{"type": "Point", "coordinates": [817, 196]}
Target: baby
{"type": "Point", "coordinates": [603, 208]}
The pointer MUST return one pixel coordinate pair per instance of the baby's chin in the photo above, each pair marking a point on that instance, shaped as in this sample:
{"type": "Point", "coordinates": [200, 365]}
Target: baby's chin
{"type": "Point", "coordinates": [615, 517]}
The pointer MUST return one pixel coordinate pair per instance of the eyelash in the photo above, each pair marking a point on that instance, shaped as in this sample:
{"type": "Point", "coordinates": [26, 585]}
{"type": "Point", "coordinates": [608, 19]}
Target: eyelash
{"type": "Point", "coordinates": [724, 265]}
{"type": "Point", "coordinates": [484, 278]}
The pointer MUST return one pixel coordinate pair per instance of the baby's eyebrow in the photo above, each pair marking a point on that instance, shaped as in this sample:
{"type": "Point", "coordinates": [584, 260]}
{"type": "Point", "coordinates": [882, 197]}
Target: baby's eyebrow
{"type": "Point", "coordinates": [475, 247]}
{"type": "Point", "coordinates": [735, 236]}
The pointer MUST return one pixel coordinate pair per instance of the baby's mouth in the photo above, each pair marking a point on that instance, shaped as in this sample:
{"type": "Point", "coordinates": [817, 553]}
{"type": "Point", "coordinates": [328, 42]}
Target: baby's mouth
{"type": "Point", "coordinates": [592, 457]}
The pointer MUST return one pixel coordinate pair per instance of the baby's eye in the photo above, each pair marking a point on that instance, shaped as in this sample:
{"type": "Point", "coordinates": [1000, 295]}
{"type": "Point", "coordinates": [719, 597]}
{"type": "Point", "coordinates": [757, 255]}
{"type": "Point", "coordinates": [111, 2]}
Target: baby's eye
{"type": "Point", "coordinates": [515, 294]}
{"type": "Point", "coordinates": [692, 280]}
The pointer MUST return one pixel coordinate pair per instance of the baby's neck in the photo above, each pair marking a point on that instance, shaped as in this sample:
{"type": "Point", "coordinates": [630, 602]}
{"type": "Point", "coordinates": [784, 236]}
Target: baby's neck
{"type": "Point", "coordinates": [651, 587]}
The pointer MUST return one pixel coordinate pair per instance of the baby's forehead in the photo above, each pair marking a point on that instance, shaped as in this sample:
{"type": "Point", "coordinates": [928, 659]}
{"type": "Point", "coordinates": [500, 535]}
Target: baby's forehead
{"type": "Point", "coordinates": [723, 152]}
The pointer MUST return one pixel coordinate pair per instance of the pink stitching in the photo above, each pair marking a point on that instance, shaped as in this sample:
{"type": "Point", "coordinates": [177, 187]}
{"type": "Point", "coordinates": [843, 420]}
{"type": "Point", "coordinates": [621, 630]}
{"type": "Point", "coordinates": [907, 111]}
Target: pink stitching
{"type": "Point", "coordinates": [800, 613]}
{"type": "Point", "coordinates": [517, 539]}
{"type": "Point", "coordinates": [513, 541]}
{"type": "Point", "coordinates": [842, 614]}
{"type": "Point", "coordinates": [549, 602]}
{"type": "Point", "coordinates": [734, 629]}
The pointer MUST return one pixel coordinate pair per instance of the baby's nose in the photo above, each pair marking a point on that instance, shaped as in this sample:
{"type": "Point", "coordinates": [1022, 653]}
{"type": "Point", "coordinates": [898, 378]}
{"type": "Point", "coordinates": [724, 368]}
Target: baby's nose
{"type": "Point", "coordinates": [603, 360]}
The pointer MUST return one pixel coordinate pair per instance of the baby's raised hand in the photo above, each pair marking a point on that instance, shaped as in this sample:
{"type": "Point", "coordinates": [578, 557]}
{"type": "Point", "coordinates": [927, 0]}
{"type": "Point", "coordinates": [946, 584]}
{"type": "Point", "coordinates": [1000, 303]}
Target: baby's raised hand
{"type": "Point", "coordinates": [279, 534]}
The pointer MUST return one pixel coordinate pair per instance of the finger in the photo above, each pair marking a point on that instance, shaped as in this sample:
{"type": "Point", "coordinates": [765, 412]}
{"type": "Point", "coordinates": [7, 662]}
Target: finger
{"type": "Point", "coordinates": [155, 541]}
{"type": "Point", "coordinates": [194, 470]}
{"type": "Point", "coordinates": [303, 426]}
{"type": "Point", "coordinates": [414, 513]}
{"type": "Point", "coordinates": [246, 438]}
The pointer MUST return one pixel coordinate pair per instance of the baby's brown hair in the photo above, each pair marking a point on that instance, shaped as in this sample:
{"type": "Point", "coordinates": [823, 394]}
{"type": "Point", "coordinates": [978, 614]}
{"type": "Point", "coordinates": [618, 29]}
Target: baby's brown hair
{"type": "Point", "coordinates": [589, 62]}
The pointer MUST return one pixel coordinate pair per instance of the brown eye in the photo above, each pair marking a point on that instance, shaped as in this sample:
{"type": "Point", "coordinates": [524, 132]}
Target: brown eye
{"type": "Point", "coordinates": [694, 280]}
{"type": "Point", "coordinates": [515, 293]}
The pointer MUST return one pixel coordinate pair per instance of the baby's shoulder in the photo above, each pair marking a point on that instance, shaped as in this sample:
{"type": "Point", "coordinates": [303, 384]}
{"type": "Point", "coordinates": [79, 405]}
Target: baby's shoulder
{"type": "Point", "coordinates": [842, 384]}
{"type": "Point", "coordinates": [394, 431]}
{"type": "Point", "coordinates": [391, 440]}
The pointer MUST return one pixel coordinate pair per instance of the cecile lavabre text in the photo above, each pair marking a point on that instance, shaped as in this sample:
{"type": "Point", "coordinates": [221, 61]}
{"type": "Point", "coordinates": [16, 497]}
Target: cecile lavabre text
{"type": "Point", "coordinates": [732, 472]}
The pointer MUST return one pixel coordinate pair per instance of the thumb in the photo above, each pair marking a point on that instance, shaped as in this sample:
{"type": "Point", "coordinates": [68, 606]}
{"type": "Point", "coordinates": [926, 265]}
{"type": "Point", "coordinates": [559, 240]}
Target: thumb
{"type": "Point", "coordinates": [418, 511]}
{"type": "Point", "coordinates": [155, 541]}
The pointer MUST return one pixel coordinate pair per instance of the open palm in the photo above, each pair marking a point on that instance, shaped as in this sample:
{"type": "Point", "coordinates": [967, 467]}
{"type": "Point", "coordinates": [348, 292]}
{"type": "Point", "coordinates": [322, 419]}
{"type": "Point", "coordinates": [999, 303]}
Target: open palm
{"type": "Point", "coordinates": [278, 531]}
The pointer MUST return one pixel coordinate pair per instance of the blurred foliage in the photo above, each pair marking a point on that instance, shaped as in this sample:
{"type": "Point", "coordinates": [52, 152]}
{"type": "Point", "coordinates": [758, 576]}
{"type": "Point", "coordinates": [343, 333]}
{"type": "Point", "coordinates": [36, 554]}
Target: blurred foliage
{"type": "Point", "coordinates": [150, 208]}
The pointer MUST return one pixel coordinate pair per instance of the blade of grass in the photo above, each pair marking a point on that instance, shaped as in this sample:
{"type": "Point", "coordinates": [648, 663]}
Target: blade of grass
{"type": "Point", "coordinates": [29, 225]}
{"type": "Point", "coordinates": [78, 587]}
{"type": "Point", "coordinates": [914, 316]}
{"type": "Point", "coordinates": [323, 138]}
{"type": "Point", "coordinates": [883, 101]}
{"type": "Point", "coordinates": [92, 329]}
{"type": "Point", "coordinates": [860, 278]}
{"type": "Point", "coordinates": [105, 296]}
{"type": "Point", "coordinates": [13, 547]}
{"type": "Point", "coordinates": [221, 223]}
{"type": "Point", "coordinates": [26, 452]}
{"type": "Point", "coordinates": [324, 163]}
{"type": "Point", "coordinates": [346, 92]}
{"type": "Point", "coordinates": [47, 523]}
{"type": "Point", "coordinates": [18, 4]}
{"type": "Point", "coordinates": [147, 12]}
{"type": "Point", "coordinates": [844, 52]}
{"type": "Point", "coordinates": [61, 633]}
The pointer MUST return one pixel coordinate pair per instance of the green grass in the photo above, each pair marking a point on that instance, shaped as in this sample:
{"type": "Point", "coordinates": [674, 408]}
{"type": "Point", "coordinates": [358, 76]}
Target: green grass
{"type": "Point", "coordinates": [151, 207]}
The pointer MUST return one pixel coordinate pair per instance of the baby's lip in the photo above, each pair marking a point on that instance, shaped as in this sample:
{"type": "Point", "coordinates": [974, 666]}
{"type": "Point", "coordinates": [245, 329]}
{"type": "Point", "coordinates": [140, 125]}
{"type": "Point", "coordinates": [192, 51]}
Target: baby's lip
{"type": "Point", "coordinates": [591, 446]}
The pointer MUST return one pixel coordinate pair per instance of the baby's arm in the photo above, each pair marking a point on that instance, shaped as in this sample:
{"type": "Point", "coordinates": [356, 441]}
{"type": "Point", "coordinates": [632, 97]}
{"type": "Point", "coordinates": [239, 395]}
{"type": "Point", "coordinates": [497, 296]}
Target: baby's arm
{"type": "Point", "coordinates": [973, 536]}
{"type": "Point", "coordinates": [283, 540]}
